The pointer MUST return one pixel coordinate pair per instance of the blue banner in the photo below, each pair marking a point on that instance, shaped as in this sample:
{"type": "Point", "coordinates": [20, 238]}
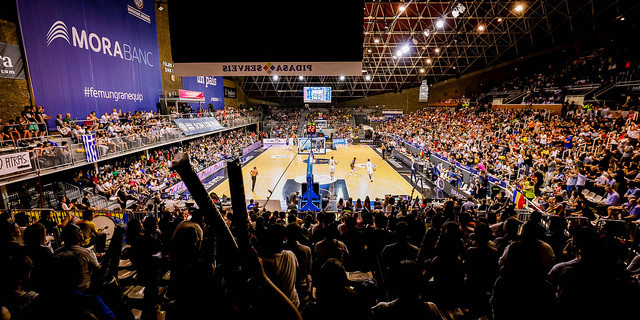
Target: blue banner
{"type": "Point", "coordinates": [190, 126]}
{"type": "Point", "coordinates": [93, 55]}
{"type": "Point", "coordinates": [211, 87]}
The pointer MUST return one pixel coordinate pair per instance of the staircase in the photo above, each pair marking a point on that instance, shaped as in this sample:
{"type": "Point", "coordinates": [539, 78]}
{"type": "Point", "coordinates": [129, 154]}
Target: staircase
{"type": "Point", "coordinates": [515, 97]}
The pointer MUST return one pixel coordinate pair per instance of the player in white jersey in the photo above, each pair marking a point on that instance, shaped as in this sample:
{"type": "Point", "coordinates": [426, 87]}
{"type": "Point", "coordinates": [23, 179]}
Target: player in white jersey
{"type": "Point", "coordinates": [369, 167]}
{"type": "Point", "coordinates": [332, 167]}
{"type": "Point", "coordinates": [290, 144]}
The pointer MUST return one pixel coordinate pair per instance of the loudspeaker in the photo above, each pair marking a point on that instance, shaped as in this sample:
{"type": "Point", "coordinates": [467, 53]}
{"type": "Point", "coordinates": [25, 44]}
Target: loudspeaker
{"type": "Point", "coordinates": [162, 108]}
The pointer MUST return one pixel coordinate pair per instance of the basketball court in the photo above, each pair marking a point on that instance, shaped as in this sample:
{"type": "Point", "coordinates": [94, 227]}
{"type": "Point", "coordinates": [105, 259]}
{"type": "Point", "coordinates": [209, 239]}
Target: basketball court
{"type": "Point", "coordinates": [283, 171]}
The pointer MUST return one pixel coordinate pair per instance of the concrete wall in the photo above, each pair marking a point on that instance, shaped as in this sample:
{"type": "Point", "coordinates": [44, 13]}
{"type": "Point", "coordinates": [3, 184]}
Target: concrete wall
{"type": "Point", "coordinates": [14, 94]}
{"type": "Point", "coordinates": [406, 100]}
{"type": "Point", "coordinates": [467, 84]}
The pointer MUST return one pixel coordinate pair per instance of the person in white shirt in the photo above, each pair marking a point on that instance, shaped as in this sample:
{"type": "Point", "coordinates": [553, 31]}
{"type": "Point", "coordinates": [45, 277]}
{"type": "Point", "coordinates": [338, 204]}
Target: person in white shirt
{"type": "Point", "coordinates": [369, 167]}
{"type": "Point", "coordinates": [633, 133]}
{"type": "Point", "coordinates": [543, 139]}
{"type": "Point", "coordinates": [332, 167]}
{"type": "Point", "coordinates": [581, 181]}
{"type": "Point", "coordinates": [290, 144]}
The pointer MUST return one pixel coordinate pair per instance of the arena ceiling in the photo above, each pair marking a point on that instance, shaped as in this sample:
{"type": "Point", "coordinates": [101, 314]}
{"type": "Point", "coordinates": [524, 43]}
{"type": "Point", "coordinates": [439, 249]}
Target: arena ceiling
{"type": "Point", "coordinates": [405, 44]}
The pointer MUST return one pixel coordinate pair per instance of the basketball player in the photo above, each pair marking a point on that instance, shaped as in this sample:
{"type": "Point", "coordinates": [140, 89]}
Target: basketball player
{"type": "Point", "coordinates": [353, 166]}
{"type": "Point", "coordinates": [369, 167]}
{"type": "Point", "coordinates": [290, 144]}
{"type": "Point", "coordinates": [332, 167]}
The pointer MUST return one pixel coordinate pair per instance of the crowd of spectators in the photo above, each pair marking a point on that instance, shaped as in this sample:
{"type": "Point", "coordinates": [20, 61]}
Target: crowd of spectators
{"type": "Point", "coordinates": [544, 157]}
{"type": "Point", "coordinates": [380, 260]}
{"type": "Point", "coordinates": [283, 123]}
{"type": "Point", "coordinates": [139, 178]}
{"type": "Point", "coordinates": [29, 127]}
{"type": "Point", "coordinates": [592, 69]}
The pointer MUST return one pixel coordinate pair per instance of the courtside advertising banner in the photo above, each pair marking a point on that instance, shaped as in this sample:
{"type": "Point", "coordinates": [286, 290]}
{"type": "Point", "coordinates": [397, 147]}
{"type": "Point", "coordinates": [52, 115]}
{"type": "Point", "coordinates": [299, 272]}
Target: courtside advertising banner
{"type": "Point", "coordinates": [211, 87]}
{"type": "Point", "coordinates": [11, 65]}
{"type": "Point", "coordinates": [94, 55]}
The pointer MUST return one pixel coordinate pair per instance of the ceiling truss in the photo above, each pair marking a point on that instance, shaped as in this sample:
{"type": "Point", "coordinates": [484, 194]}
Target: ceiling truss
{"type": "Point", "coordinates": [457, 48]}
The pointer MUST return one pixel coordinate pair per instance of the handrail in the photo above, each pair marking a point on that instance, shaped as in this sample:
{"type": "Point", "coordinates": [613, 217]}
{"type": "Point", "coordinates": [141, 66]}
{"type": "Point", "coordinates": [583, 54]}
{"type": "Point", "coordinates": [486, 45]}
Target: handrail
{"type": "Point", "coordinates": [507, 185]}
{"type": "Point", "coordinates": [71, 156]}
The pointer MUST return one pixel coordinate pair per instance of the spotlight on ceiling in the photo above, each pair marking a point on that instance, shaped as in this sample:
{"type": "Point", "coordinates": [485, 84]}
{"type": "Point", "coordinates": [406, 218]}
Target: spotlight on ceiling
{"type": "Point", "coordinates": [376, 40]}
{"type": "Point", "coordinates": [300, 78]}
{"type": "Point", "coordinates": [367, 77]}
{"type": "Point", "coordinates": [499, 19]}
{"type": "Point", "coordinates": [458, 9]}
{"type": "Point", "coordinates": [437, 50]}
{"type": "Point", "coordinates": [426, 33]}
{"type": "Point", "coordinates": [402, 8]}
{"type": "Point", "coordinates": [275, 77]}
{"type": "Point", "coordinates": [342, 78]}
{"type": "Point", "coordinates": [519, 8]}
{"type": "Point", "coordinates": [440, 24]}
{"type": "Point", "coordinates": [428, 61]}
{"type": "Point", "coordinates": [481, 28]}
{"type": "Point", "coordinates": [405, 48]}
{"type": "Point", "coordinates": [421, 70]}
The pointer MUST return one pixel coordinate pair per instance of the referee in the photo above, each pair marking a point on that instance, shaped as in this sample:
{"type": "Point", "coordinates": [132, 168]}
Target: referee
{"type": "Point", "coordinates": [254, 176]}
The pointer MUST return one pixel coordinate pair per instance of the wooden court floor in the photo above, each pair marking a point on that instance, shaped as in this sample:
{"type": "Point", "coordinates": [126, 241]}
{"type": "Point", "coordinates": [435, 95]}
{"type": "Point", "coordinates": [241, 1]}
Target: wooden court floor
{"type": "Point", "coordinates": [274, 161]}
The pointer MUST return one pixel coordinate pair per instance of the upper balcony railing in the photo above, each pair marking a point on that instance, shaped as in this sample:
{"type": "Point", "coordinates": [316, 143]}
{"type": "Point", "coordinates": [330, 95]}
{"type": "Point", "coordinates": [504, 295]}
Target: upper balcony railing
{"type": "Point", "coordinates": [23, 158]}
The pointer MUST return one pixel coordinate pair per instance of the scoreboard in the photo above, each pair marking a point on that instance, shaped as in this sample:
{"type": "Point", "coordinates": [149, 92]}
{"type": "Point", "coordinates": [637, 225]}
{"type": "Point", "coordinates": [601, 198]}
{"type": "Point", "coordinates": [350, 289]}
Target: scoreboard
{"type": "Point", "coordinates": [317, 94]}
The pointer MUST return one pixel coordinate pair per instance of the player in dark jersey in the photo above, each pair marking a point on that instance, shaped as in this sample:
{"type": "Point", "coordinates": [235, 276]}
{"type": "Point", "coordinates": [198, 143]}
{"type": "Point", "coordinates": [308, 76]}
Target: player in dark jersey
{"type": "Point", "coordinates": [353, 166]}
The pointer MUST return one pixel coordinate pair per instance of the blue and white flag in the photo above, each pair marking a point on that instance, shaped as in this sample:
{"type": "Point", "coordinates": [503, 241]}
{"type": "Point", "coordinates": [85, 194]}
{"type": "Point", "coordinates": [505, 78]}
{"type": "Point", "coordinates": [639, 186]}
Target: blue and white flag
{"type": "Point", "coordinates": [90, 150]}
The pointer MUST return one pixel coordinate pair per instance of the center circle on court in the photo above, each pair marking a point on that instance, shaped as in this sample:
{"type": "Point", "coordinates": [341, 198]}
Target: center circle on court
{"type": "Point", "coordinates": [318, 178]}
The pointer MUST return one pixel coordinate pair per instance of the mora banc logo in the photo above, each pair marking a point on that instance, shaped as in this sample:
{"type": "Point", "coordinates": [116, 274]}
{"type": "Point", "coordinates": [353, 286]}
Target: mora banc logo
{"type": "Point", "coordinates": [98, 44]}
{"type": "Point", "coordinates": [58, 30]}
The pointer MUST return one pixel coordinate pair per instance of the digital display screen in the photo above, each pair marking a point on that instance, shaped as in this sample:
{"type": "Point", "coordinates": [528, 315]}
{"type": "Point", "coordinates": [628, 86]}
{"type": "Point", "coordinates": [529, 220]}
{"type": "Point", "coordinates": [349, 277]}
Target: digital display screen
{"type": "Point", "coordinates": [317, 94]}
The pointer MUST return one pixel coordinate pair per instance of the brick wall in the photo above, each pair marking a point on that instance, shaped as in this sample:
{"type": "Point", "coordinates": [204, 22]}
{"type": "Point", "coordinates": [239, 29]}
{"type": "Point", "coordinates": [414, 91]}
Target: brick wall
{"type": "Point", "coordinates": [166, 59]}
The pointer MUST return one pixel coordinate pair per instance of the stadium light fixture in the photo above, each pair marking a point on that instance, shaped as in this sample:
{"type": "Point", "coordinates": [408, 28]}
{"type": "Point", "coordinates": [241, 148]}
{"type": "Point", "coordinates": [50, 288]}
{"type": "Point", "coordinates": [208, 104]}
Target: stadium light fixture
{"type": "Point", "coordinates": [440, 24]}
{"type": "Point", "coordinates": [342, 78]}
{"type": "Point", "coordinates": [421, 70]}
{"type": "Point", "coordinates": [275, 77]}
{"type": "Point", "coordinates": [481, 28]}
{"type": "Point", "coordinates": [426, 33]}
{"type": "Point", "coordinates": [458, 9]}
{"type": "Point", "coordinates": [519, 8]}
{"type": "Point", "coordinates": [367, 77]}
{"type": "Point", "coordinates": [300, 78]}
{"type": "Point", "coordinates": [437, 50]}
{"type": "Point", "coordinates": [428, 61]}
